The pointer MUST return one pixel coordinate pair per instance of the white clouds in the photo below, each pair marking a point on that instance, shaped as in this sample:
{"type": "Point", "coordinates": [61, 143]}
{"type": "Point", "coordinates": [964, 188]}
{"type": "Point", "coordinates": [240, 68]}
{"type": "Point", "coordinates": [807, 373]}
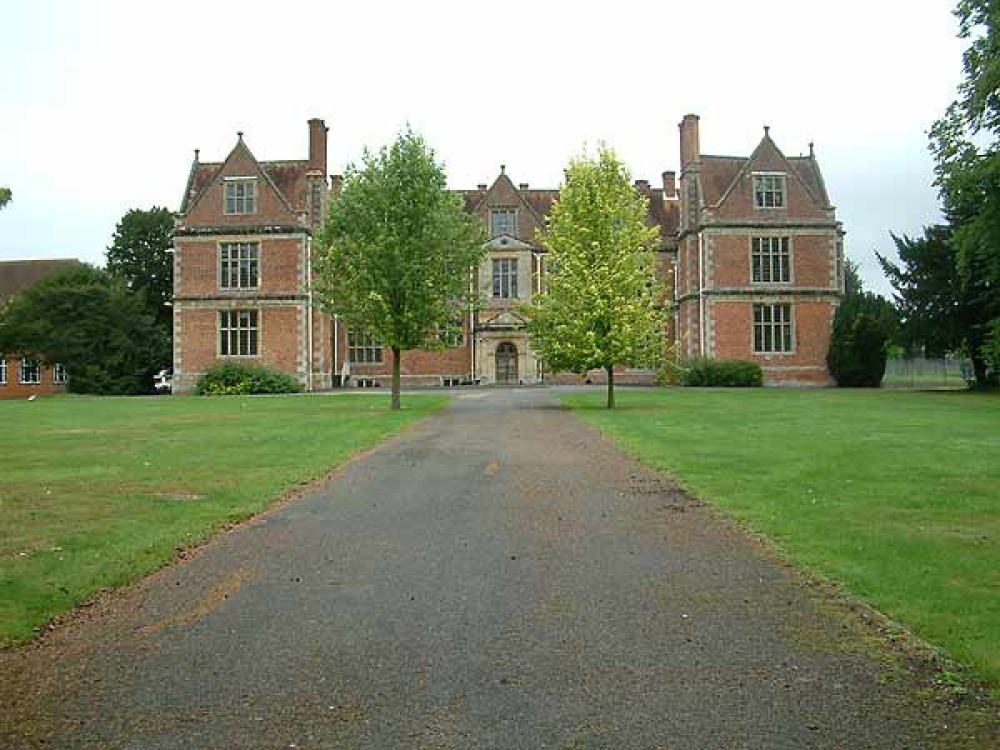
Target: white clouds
{"type": "Point", "coordinates": [110, 98]}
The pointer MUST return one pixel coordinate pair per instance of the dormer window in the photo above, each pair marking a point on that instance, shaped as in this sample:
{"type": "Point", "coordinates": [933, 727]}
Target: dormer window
{"type": "Point", "coordinates": [503, 221]}
{"type": "Point", "coordinates": [241, 195]}
{"type": "Point", "coordinates": [769, 190]}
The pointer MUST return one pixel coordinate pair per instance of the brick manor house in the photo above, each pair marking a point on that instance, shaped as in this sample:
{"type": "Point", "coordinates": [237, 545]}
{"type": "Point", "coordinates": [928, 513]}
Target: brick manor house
{"type": "Point", "coordinates": [750, 250]}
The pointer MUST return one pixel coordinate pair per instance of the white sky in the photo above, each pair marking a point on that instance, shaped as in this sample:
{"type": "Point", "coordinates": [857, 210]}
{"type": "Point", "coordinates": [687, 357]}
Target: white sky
{"type": "Point", "coordinates": [103, 102]}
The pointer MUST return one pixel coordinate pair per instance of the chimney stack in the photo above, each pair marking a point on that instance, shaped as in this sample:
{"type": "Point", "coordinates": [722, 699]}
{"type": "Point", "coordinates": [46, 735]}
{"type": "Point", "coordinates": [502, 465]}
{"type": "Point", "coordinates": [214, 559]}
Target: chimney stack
{"type": "Point", "coordinates": [522, 186]}
{"type": "Point", "coordinates": [642, 186]}
{"type": "Point", "coordinates": [669, 184]}
{"type": "Point", "coordinates": [690, 145]}
{"type": "Point", "coordinates": [336, 183]}
{"type": "Point", "coordinates": [317, 144]}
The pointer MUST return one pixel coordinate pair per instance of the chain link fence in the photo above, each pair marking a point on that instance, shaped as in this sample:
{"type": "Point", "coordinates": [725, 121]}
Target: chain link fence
{"type": "Point", "coordinates": [920, 372]}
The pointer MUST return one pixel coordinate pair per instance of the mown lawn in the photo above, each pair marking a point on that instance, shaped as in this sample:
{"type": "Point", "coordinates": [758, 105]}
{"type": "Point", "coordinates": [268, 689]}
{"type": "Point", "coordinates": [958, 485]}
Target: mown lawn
{"type": "Point", "coordinates": [95, 492]}
{"type": "Point", "coordinates": [895, 495]}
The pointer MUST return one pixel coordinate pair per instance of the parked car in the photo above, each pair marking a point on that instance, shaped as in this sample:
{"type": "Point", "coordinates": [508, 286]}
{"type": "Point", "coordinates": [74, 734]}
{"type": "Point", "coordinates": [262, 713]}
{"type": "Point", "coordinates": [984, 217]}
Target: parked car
{"type": "Point", "coordinates": [163, 381]}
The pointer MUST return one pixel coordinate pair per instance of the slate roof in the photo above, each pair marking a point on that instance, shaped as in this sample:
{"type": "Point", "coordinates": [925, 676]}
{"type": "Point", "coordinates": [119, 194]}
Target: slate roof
{"type": "Point", "coordinates": [18, 275]}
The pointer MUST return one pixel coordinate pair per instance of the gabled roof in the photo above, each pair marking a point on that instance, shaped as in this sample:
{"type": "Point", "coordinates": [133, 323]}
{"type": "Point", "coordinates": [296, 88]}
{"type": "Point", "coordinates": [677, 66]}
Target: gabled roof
{"type": "Point", "coordinates": [808, 171]}
{"type": "Point", "coordinates": [662, 213]}
{"type": "Point", "coordinates": [287, 177]}
{"type": "Point", "coordinates": [18, 275]}
{"type": "Point", "coordinates": [719, 174]}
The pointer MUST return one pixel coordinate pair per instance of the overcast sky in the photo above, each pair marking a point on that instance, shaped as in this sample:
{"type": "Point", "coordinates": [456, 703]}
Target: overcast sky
{"type": "Point", "coordinates": [102, 103]}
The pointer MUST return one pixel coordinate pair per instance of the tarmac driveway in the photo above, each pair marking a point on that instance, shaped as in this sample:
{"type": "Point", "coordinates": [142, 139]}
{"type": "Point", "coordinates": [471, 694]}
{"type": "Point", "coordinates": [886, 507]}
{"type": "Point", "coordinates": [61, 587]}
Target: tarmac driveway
{"type": "Point", "coordinates": [500, 577]}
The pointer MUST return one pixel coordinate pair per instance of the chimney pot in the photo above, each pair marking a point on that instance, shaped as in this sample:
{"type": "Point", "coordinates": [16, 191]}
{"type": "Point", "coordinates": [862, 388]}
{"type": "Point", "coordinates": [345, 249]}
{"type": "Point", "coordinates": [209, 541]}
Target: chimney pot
{"type": "Point", "coordinates": [690, 145]}
{"type": "Point", "coordinates": [317, 144]}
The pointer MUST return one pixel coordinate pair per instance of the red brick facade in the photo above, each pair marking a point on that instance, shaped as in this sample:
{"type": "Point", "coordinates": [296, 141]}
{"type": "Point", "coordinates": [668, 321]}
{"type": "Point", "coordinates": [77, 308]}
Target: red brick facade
{"type": "Point", "coordinates": [711, 231]}
{"type": "Point", "coordinates": [17, 381]}
{"type": "Point", "coordinates": [242, 266]}
{"type": "Point", "coordinates": [760, 260]}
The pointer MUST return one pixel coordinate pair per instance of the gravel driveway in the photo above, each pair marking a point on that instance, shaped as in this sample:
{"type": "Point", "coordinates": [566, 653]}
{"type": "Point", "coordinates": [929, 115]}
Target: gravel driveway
{"type": "Point", "coordinates": [500, 577]}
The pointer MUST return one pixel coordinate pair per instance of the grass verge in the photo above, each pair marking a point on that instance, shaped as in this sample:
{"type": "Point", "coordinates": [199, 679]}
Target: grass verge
{"type": "Point", "coordinates": [894, 495]}
{"type": "Point", "coordinates": [95, 492]}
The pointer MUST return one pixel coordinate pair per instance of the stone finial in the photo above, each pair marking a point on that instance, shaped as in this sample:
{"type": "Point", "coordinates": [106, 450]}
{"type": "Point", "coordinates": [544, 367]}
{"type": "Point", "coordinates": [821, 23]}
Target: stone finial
{"type": "Point", "coordinates": [197, 153]}
{"type": "Point", "coordinates": [503, 169]}
{"type": "Point", "coordinates": [812, 149]}
{"type": "Point", "coordinates": [767, 130]}
{"type": "Point", "coordinates": [239, 134]}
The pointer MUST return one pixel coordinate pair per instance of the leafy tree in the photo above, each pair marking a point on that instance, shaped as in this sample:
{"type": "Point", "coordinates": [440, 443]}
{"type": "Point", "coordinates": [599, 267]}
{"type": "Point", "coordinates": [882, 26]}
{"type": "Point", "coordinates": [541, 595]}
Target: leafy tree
{"type": "Point", "coordinates": [600, 305]}
{"type": "Point", "coordinates": [397, 250]}
{"type": "Point", "coordinates": [966, 147]}
{"type": "Point", "coordinates": [859, 344]}
{"type": "Point", "coordinates": [140, 256]}
{"type": "Point", "coordinates": [939, 309]}
{"type": "Point", "coordinates": [852, 278]}
{"type": "Point", "coordinates": [101, 331]}
{"type": "Point", "coordinates": [5, 196]}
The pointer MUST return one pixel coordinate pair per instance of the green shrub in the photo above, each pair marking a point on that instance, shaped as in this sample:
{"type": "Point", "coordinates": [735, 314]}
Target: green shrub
{"type": "Point", "coordinates": [859, 344]}
{"type": "Point", "coordinates": [721, 372]}
{"type": "Point", "coordinates": [234, 379]}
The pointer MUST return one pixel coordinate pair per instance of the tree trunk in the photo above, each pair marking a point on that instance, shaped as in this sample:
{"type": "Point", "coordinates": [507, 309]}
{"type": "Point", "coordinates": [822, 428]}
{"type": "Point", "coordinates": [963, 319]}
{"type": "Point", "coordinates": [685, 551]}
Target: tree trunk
{"type": "Point", "coordinates": [979, 370]}
{"type": "Point", "coordinates": [395, 378]}
{"type": "Point", "coordinates": [611, 386]}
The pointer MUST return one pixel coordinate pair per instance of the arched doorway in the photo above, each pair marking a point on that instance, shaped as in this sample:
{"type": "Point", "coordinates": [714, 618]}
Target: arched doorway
{"type": "Point", "coordinates": [506, 364]}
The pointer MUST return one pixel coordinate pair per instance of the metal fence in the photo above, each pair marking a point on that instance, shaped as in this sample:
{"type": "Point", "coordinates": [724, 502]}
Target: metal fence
{"type": "Point", "coordinates": [920, 372]}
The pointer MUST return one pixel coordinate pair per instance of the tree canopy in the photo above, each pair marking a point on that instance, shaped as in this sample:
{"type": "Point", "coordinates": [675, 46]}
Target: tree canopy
{"type": "Point", "coordinates": [140, 255]}
{"type": "Point", "coordinates": [599, 307]}
{"type": "Point", "coordinates": [939, 310]}
{"type": "Point", "coordinates": [5, 196]}
{"type": "Point", "coordinates": [863, 327]}
{"type": "Point", "coordinates": [397, 250]}
{"type": "Point", "coordinates": [86, 319]}
{"type": "Point", "coordinates": [966, 147]}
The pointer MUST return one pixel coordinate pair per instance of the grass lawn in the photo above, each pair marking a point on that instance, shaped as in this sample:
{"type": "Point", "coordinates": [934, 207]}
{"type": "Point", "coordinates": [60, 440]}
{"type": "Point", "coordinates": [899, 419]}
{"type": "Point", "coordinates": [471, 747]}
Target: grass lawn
{"type": "Point", "coordinates": [895, 495]}
{"type": "Point", "coordinates": [95, 492]}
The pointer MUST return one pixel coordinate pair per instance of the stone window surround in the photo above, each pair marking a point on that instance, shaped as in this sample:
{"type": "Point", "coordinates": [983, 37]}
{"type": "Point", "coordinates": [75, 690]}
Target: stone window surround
{"type": "Point", "coordinates": [770, 190]}
{"type": "Point", "coordinates": [239, 196]}
{"type": "Point", "coordinates": [366, 351]}
{"type": "Point", "coordinates": [785, 326]}
{"type": "Point", "coordinates": [771, 258]}
{"type": "Point", "coordinates": [235, 265]}
{"type": "Point", "coordinates": [230, 328]}
{"type": "Point", "coordinates": [505, 270]}
{"type": "Point", "coordinates": [510, 228]}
